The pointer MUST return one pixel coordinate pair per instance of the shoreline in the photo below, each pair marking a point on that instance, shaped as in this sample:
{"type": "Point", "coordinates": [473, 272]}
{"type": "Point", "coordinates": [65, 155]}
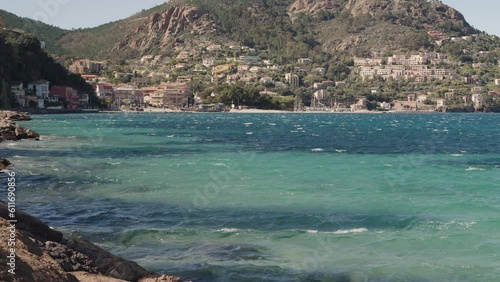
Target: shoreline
{"type": "Point", "coordinates": [34, 111]}
{"type": "Point", "coordinates": [43, 254]}
{"type": "Point", "coordinates": [261, 111]}
{"type": "Point", "coordinates": [40, 253]}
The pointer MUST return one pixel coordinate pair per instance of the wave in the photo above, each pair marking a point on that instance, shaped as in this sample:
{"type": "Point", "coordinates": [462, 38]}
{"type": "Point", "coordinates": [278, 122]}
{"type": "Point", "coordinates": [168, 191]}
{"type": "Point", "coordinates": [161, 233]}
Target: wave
{"type": "Point", "coordinates": [228, 230]}
{"type": "Point", "coordinates": [338, 232]}
{"type": "Point", "coordinates": [317, 150]}
{"type": "Point", "coordinates": [472, 168]}
{"type": "Point", "coordinates": [350, 231]}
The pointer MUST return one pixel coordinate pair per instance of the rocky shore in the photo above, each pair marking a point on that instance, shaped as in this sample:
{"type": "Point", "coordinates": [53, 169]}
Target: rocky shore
{"type": "Point", "coordinates": [43, 254]}
{"type": "Point", "coordinates": [11, 131]}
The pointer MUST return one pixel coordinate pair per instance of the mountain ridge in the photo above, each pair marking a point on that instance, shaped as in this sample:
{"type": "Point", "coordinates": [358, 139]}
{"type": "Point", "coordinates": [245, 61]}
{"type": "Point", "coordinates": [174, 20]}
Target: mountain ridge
{"type": "Point", "coordinates": [357, 27]}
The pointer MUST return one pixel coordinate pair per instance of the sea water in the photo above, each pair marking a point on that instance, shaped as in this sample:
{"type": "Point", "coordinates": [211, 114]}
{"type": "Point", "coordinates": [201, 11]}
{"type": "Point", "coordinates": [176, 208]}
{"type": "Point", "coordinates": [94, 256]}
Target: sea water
{"type": "Point", "coordinates": [273, 197]}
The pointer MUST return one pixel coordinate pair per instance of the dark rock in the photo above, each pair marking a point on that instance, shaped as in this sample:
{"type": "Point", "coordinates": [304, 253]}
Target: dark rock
{"type": "Point", "coordinates": [32, 225]}
{"type": "Point", "coordinates": [69, 259]}
{"type": "Point", "coordinates": [4, 163]}
{"type": "Point", "coordinates": [107, 263]}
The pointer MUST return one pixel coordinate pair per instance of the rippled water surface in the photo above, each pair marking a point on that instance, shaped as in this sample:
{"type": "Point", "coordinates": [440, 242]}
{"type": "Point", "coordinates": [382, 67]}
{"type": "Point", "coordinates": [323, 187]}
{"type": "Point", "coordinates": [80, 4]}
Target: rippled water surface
{"type": "Point", "coordinates": [274, 197]}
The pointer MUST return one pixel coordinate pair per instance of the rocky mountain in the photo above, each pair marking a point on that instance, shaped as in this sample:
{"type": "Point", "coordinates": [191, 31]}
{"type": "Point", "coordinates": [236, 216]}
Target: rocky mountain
{"type": "Point", "coordinates": [285, 28]}
{"type": "Point", "coordinates": [163, 28]}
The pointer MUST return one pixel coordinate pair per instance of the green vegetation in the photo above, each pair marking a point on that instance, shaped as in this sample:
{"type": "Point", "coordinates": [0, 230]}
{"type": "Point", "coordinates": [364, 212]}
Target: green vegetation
{"type": "Point", "coordinates": [44, 32]}
{"type": "Point", "coordinates": [23, 60]}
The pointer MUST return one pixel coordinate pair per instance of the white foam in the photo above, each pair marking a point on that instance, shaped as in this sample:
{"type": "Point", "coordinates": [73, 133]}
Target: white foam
{"type": "Point", "coordinates": [340, 151]}
{"type": "Point", "coordinates": [228, 230]}
{"type": "Point", "coordinates": [457, 155]}
{"type": "Point", "coordinates": [471, 168]}
{"type": "Point", "coordinates": [317, 150]}
{"type": "Point", "coordinates": [350, 231]}
{"type": "Point", "coordinates": [312, 231]}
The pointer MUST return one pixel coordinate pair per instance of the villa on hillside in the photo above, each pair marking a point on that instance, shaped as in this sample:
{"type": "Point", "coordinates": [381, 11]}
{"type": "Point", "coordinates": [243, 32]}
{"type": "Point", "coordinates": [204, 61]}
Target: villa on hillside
{"type": "Point", "coordinates": [40, 89]}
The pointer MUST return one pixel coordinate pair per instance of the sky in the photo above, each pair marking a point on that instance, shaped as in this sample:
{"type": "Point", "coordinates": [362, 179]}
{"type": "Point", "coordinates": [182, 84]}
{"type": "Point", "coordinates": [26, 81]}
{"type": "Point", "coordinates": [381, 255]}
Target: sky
{"type": "Point", "coordinates": [482, 14]}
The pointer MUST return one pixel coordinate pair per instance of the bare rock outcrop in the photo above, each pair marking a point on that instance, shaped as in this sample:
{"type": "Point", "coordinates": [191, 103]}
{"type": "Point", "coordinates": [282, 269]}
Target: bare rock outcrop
{"type": "Point", "coordinates": [11, 131]}
{"type": "Point", "coordinates": [162, 29]}
{"type": "Point", "coordinates": [418, 11]}
{"type": "Point", "coordinates": [313, 6]}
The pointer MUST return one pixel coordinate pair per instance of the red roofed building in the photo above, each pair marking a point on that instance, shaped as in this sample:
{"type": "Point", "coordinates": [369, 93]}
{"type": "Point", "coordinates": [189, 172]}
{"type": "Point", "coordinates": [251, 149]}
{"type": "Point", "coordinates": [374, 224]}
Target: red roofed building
{"type": "Point", "coordinates": [105, 90]}
{"type": "Point", "coordinates": [67, 95]}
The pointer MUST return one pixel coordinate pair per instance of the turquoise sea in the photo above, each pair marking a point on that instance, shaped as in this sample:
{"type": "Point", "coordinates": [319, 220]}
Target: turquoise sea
{"type": "Point", "coordinates": [273, 197]}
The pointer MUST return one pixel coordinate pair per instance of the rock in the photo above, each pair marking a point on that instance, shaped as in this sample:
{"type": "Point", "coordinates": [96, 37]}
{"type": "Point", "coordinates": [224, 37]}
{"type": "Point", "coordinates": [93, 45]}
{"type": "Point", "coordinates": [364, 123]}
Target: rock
{"type": "Point", "coordinates": [32, 263]}
{"type": "Point", "coordinates": [32, 225]}
{"type": "Point", "coordinates": [69, 259]}
{"type": "Point", "coordinates": [313, 7]}
{"type": "Point", "coordinates": [11, 131]}
{"type": "Point", "coordinates": [163, 278]}
{"type": "Point", "coordinates": [107, 263]}
{"type": "Point", "coordinates": [90, 277]}
{"type": "Point", "coordinates": [4, 163]}
{"type": "Point", "coordinates": [14, 116]}
{"type": "Point", "coordinates": [166, 27]}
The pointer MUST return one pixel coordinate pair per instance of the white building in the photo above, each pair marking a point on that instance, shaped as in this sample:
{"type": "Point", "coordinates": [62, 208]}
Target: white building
{"type": "Point", "coordinates": [40, 88]}
{"type": "Point", "coordinates": [292, 79]}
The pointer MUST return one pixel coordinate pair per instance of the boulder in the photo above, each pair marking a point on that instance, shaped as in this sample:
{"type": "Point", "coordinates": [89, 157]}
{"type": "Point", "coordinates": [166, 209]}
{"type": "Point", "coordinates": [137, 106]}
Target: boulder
{"type": "Point", "coordinates": [32, 263]}
{"type": "Point", "coordinates": [107, 263]}
{"type": "Point", "coordinates": [11, 131]}
{"type": "Point", "coordinates": [32, 225]}
{"type": "Point", "coordinates": [4, 163]}
{"type": "Point", "coordinates": [14, 116]}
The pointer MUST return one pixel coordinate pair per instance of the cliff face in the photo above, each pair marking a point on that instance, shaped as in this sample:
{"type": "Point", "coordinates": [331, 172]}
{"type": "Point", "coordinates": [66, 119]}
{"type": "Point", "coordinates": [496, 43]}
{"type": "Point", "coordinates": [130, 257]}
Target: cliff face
{"type": "Point", "coordinates": [417, 10]}
{"type": "Point", "coordinates": [313, 7]}
{"type": "Point", "coordinates": [162, 29]}
{"type": "Point", "coordinates": [352, 25]}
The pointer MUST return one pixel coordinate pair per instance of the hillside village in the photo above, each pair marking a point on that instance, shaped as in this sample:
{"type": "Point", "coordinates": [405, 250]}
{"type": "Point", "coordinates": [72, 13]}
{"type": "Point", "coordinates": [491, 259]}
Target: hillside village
{"type": "Point", "coordinates": [189, 81]}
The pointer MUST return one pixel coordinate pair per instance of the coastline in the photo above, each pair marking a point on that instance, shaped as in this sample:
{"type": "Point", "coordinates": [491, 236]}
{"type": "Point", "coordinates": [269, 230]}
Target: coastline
{"type": "Point", "coordinates": [261, 111]}
{"type": "Point", "coordinates": [41, 253]}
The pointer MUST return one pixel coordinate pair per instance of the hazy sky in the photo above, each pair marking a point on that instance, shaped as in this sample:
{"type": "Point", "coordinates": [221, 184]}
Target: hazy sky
{"type": "Point", "coordinates": [69, 14]}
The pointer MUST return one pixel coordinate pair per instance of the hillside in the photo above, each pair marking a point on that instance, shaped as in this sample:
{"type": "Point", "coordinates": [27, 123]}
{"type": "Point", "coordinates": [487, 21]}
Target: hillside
{"type": "Point", "coordinates": [44, 32]}
{"type": "Point", "coordinates": [288, 29]}
{"type": "Point", "coordinates": [23, 60]}
{"type": "Point", "coordinates": [284, 30]}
